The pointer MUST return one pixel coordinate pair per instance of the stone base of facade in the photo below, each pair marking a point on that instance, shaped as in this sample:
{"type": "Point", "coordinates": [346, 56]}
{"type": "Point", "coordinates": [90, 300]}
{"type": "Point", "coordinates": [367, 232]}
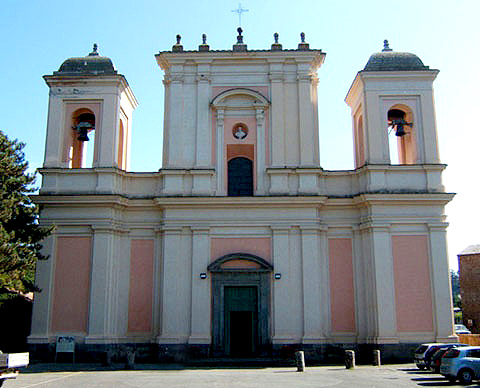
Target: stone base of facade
{"type": "Point", "coordinates": [280, 354]}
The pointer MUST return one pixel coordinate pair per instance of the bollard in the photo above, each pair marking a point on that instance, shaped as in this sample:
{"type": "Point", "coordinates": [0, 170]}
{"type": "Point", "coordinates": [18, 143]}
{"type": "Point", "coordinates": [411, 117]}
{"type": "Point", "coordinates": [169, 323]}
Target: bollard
{"type": "Point", "coordinates": [349, 359]}
{"type": "Point", "coordinates": [376, 358]}
{"type": "Point", "coordinates": [300, 358]}
{"type": "Point", "coordinates": [130, 364]}
{"type": "Point", "coordinates": [108, 358]}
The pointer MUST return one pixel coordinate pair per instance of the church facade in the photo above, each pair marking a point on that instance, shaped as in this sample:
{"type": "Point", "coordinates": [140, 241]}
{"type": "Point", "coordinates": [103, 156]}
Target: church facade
{"type": "Point", "coordinates": [241, 245]}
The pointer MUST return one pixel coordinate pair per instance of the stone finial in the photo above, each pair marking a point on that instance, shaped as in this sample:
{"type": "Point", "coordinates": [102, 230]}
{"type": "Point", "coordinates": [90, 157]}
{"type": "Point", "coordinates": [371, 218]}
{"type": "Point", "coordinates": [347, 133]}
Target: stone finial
{"type": "Point", "coordinates": [302, 45]}
{"type": "Point", "coordinates": [386, 47]}
{"type": "Point", "coordinates": [204, 46]}
{"type": "Point", "coordinates": [95, 50]}
{"type": "Point", "coordinates": [177, 47]}
{"type": "Point", "coordinates": [276, 46]}
{"type": "Point", "coordinates": [239, 46]}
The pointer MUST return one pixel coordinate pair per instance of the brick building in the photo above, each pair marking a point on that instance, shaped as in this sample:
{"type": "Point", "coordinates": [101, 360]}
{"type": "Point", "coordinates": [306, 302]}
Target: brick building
{"type": "Point", "coordinates": [469, 268]}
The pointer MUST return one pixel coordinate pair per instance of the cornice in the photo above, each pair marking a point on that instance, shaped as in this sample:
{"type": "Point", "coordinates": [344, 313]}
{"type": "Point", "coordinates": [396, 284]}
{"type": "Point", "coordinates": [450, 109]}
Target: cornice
{"type": "Point", "coordinates": [239, 202]}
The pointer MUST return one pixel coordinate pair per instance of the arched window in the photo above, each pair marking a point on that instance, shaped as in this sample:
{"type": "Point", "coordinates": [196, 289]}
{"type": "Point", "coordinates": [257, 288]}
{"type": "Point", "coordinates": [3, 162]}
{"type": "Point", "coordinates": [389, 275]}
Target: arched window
{"type": "Point", "coordinates": [240, 177]}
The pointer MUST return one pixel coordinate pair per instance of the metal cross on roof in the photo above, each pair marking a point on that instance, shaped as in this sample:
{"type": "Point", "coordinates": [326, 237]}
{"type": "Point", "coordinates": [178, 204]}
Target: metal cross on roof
{"type": "Point", "coordinates": [239, 11]}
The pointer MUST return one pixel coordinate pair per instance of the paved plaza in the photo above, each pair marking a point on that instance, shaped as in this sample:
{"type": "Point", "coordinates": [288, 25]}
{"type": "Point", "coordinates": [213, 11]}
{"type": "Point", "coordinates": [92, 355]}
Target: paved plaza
{"type": "Point", "coordinates": [146, 376]}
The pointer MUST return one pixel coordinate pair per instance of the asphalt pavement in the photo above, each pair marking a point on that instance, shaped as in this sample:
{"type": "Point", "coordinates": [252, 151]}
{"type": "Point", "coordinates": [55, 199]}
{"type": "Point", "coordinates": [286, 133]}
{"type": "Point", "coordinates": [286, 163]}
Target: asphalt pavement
{"type": "Point", "coordinates": [146, 376]}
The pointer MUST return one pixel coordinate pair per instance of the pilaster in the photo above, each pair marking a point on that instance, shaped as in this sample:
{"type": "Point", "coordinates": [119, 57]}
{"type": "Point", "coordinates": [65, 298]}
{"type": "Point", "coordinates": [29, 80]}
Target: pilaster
{"type": "Point", "coordinates": [282, 327]}
{"type": "Point", "coordinates": [261, 150]}
{"type": "Point", "coordinates": [176, 286]}
{"type": "Point", "coordinates": [441, 287]}
{"type": "Point", "coordinates": [220, 152]}
{"type": "Point", "coordinates": [200, 332]}
{"type": "Point", "coordinates": [175, 122]}
{"type": "Point", "coordinates": [204, 130]}
{"type": "Point", "coordinates": [313, 320]}
{"type": "Point", "coordinates": [381, 291]}
{"type": "Point", "coordinates": [102, 325]}
{"type": "Point", "coordinates": [44, 278]}
{"type": "Point", "coordinates": [107, 133]}
{"type": "Point", "coordinates": [308, 137]}
{"type": "Point", "coordinates": [277, 129]}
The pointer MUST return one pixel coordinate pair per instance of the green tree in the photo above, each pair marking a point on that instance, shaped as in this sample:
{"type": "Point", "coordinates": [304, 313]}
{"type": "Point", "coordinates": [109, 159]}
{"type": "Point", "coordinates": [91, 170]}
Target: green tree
{"type": "Point", "coordinates": [20, 233]}
{"type": "Point", "coordinates": [457, 301]}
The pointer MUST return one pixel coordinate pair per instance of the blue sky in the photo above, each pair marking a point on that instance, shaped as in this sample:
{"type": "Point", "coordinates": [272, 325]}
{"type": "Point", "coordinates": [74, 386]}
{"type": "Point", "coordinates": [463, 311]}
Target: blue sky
{"type": "Point", "coordinates": [39, 35]}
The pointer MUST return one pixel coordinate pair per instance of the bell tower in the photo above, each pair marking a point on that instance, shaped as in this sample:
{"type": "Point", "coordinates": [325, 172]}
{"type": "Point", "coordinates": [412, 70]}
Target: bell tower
{"type": "Point", "coordinates": [393, 96]}
{"type": "Point", "coordinates": [89, 115]}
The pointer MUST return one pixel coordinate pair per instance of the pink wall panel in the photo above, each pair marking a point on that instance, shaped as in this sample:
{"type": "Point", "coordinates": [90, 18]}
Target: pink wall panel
{"type": "Point", "coordinates": [141, 286]}
{"type": "Point", "coordinates": [259, 246]}
{"type": "Point", "coordinates": [342, 297]}
{"type": "Point", "coordinates": [413, 295]}
{"type": "Point", "coordinates": [71, 284]}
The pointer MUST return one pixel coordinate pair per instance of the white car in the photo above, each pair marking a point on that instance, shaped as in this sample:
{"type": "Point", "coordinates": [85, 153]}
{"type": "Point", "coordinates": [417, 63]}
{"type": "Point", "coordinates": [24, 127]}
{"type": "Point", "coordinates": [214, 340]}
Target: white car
{"type": "Point", "coordinates": [462, 364]}
{"type": "Point", "coordinates": [461, 329]}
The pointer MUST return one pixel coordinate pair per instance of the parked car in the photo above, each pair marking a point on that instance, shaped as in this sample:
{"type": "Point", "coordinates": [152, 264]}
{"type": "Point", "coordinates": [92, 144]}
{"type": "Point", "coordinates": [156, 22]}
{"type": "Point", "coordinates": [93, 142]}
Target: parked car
{"type": "Point", "coordinates": [436, 359]}
{"type": "Point", "coordinates": [10, 364]}
{"type": "Point", "coordinates": [424, 352]}
{"type": "Point", "coordinates": [461, 329]}
{"type": "Point", "coordinates": [461, 363]}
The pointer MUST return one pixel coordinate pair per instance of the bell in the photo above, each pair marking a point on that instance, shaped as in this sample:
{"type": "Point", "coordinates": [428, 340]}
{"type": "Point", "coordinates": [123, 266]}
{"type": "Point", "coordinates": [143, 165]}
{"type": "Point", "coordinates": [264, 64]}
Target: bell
{"type": "Point", "coordinates": [82, 128]}
{"type": "Point", "coordinates": [399, 130]}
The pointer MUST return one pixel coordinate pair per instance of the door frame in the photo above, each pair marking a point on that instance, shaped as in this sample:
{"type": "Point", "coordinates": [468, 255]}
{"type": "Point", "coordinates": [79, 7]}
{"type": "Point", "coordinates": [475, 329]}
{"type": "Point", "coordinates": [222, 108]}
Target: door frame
{"type": "Point", "coordinates": [257, 274]}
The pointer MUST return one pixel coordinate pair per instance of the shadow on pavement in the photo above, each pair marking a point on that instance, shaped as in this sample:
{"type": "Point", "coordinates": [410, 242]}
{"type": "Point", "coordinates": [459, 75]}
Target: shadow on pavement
{"type": "Point", "coordinates": [52, 368]}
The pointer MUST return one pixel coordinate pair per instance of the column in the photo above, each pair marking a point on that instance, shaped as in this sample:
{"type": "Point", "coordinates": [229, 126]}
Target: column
{"type": "Point", "coordinates": [382, 291]}
{"type": "Point", "coordinates": [261, 149]}
{"type": "Point", "coordinates": [312, 319]}
{"type": "Point", "coordinates": [277, 129]}
{"type": "Point", "coordinates": [201, 298]}
{"type": "Point", "coordinates": [204, 128]}
{"type": "Point", "coordinates": [306, 120]}
{"type": "Point", "coordinates": [441, 287]}
{"type": "Point", "coordinates": [220, 150]}
{"type": "Point", "coordinates": [102, 319]}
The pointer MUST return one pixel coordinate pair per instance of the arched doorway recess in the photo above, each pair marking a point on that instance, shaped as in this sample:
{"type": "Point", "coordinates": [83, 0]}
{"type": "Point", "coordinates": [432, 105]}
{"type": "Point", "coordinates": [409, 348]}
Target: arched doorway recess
{"type": "Point", "coordinates": [241, 305]}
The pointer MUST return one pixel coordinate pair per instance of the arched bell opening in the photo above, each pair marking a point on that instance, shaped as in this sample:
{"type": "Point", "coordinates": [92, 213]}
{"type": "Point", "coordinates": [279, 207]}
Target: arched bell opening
{"type": "Point", "coordinates": [240, 306]}
{"type": "Point", "coordinates": [402, 141]}
{"type": "Point", "coordinates": [82, 139]}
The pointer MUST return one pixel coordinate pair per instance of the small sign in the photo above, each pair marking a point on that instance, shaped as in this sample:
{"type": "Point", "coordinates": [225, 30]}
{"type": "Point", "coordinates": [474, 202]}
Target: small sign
{"type": "Point", "coordinates": [65, 344]}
